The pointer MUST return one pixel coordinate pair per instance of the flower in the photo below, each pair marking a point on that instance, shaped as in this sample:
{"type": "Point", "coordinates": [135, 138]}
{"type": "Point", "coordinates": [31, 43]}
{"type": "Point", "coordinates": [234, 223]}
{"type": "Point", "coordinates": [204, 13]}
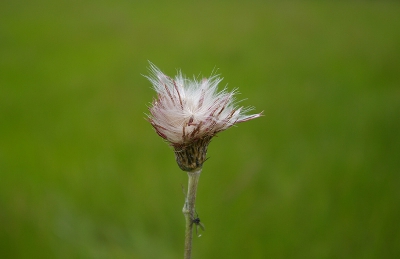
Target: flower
{"type": "Point", "coordinates": [188, 113]}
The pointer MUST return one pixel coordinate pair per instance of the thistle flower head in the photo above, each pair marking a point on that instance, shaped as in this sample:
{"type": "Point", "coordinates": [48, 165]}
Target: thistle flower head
{"type": "Point", "coordinates": [188, 113]}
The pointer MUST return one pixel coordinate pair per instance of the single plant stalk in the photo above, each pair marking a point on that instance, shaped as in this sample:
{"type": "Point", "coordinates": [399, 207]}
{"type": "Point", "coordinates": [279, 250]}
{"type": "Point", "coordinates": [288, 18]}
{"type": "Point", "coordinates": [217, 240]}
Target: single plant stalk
{"type": "Point", "coordinates": [189, 209]}
{"type": "Point", "coordinates": [188, 114]}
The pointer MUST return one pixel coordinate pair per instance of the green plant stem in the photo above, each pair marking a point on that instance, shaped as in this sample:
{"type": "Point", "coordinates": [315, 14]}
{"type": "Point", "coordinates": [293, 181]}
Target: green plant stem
{"type": "Point", "coordinates": [189, 209]}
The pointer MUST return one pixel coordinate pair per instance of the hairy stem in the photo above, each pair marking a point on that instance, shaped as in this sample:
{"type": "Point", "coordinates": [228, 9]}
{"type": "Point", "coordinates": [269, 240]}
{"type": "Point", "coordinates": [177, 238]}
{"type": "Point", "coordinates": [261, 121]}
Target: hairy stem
{"type": "Point", "coordinates": [189, 209]}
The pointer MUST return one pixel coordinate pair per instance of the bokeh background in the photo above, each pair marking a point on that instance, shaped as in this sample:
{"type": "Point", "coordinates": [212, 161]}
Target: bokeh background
{"type": "Point", "coordinates": [83, 174]}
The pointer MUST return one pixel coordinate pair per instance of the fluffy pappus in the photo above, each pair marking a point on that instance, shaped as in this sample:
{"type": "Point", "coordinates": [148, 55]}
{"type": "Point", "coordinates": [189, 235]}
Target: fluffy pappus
{"type": "Point", "coordinates": [187, 110]}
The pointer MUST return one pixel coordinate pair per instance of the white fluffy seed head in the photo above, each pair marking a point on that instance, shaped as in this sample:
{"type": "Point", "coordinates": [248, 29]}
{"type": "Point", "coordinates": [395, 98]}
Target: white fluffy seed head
{"type": "Point", "coordinates": [187, 110]}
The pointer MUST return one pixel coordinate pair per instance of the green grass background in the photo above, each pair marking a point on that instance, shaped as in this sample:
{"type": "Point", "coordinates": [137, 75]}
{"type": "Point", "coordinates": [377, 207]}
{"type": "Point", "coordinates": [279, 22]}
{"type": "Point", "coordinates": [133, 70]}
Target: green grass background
{"type": "Point", "coordinates": [83, 175]}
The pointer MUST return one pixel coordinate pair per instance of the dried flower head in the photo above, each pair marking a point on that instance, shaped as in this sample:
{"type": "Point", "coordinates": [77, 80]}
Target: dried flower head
{"type": "Point", "coordinates": [188, 113]}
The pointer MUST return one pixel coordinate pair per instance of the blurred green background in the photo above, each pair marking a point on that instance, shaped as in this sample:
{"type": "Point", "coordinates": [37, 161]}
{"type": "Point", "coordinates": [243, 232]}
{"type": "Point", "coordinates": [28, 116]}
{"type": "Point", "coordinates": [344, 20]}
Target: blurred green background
{"type": "Point", "coordinates": [83, 174]}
